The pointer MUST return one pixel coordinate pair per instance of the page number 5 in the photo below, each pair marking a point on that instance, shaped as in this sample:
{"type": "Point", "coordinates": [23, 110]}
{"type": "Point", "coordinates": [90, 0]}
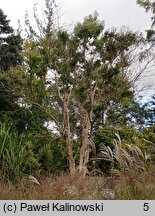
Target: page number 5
{"type": "Point", "coordinates": [146, 207]}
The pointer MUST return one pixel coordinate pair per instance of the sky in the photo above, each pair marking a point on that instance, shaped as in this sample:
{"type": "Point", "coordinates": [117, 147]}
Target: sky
{"type": "Point", "coordinates": [115, 13]}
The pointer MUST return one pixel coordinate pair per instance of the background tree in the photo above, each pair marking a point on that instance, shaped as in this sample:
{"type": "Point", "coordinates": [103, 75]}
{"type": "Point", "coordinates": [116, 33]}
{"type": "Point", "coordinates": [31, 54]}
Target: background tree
{"type": "Point", "coordinates": [148, 53]}
{"type": "Point", "coordinates": [149, 6]}
{"type": "Point", "coordinates": [10, 56]}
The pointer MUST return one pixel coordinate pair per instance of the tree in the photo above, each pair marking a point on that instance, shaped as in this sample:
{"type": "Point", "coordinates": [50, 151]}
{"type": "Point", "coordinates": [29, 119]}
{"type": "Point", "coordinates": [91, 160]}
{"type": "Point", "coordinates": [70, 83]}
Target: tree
{"type": "Point", "coordinates": [127, 113]}
{"type": "Point", "coordinates": [10, 44]}
{"type": "Point", "coordinates": [149, 6]}
{"type": "Point", "coordinates": [10, 56]}
{"type": "Point", "coordinates": [149, 53]}
{"type": "Point", "coordinates": [150, 109]}
{"type": "Point", "coordinates": [71, 76]}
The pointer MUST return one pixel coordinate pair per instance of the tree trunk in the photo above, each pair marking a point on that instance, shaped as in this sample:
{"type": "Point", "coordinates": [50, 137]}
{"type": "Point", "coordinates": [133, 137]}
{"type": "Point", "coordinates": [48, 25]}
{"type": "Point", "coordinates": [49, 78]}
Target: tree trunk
{"type": "Point", "coordinates": [85, 148]}
{"type": "Point", "coordinates": [68, 135]}
{"type": "Point", "coordinates": [87, 134]}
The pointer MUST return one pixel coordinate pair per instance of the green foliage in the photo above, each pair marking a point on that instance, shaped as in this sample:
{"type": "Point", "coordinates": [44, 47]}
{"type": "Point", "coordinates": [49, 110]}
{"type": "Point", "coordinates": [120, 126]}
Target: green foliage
{"type": "Point", "coordinates": [105, 136]}
{"type": "Point", "coordinates": [51, 158]}
{"type": "Point", "coordinates": [90, 28]}
{"type": "Point", "coordinates": [10, 56]}
{"type": "Point", "coordinates": [46, 149]}
{"type": "Point", "coordinates": [149, 134]}
{"type": "Point", "coordinates": [55, 159]}
{"type": "Point", "coordinates": [126, 111]}
{"type": "Point", "coordinates": [34, 152]}
{"type": "Point", "coordinates": [116, 43]}
{"type": "Point", "coordinates": [148, 138]}
{"type": "Point", "coordinates": [149, 6]}
{"type": "Point", "coordinates": [15, 158]}
{"type": "Point", "coordinates": [5, 28]}
{"type": "Point", "coordinates": [150, 34]}
{"type": "Point", "coordinates": [10, 44]}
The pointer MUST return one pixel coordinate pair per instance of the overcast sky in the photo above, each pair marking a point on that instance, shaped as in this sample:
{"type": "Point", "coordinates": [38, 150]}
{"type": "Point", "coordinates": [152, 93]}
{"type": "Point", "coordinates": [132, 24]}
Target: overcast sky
{"type": "Point", "coordinates": [115, 13]}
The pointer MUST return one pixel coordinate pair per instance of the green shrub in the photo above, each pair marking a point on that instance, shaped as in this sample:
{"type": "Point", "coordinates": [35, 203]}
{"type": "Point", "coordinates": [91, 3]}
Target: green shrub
{"type": "Point", "coordinates": [51, 158]}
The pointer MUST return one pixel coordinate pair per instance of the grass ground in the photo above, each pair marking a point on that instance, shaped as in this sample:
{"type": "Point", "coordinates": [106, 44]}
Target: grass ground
{"type": "Point", "coordinates": [130, 186]}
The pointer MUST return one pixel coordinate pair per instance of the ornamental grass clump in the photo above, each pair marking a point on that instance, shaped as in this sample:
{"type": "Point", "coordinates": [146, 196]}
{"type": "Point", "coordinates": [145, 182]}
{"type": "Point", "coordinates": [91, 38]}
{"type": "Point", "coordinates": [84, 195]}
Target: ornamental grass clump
{"type": "Point", "coordinates": [12, 154]}
{"type": "Point", "coordinates": [125, 157]}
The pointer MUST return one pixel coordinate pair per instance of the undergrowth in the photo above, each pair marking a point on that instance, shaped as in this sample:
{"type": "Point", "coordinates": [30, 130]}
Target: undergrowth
{"type": "Point", "coordinates": [129, 186]}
